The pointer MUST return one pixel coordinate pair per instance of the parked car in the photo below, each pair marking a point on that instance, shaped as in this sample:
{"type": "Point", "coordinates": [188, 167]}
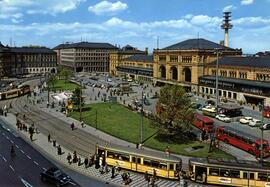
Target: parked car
{"type": "Point", "coordinates": [223, 118]}
{"type": "Point", "coordinates": [266, 126]}
{"type": "Point", "coordinates": [55, 176]}
{"type": "Point", "coordinates": [255, 123]}
{"type": "Point", "coordinates": [245, 120]}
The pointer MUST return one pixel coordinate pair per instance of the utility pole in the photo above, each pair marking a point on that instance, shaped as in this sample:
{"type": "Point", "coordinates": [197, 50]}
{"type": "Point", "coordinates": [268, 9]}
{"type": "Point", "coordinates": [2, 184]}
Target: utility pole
{"type": "Point", "coordinates": [48, 82]}
{"type": "Point", "coordinates": [81, 101]}
{"type": "Point", "coordinates": [142, 118]}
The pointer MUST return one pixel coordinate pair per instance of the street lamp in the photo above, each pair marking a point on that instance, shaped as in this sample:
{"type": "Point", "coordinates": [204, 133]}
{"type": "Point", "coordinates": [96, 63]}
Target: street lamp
{"type": "Point", "coordinates": [217, 52]}
{"type": "Point", "coordinates": [261, 127]}
{"type": "Point", "coordinates": [141, 131]}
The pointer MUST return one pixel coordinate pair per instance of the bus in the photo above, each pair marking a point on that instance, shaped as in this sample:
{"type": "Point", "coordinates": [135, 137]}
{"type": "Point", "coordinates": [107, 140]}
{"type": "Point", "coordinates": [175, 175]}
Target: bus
{"type": "Point", "coordinates": [140, 160]}
{"type": "Point", "coordinates": [266, 111]}
{"type": "Point", "coordinates": [243, 141]}
{"type": "Point", "coordinates": [203, 123]}
{"type": "Point", "coordinates": [209, 111]}
{"type": "Point", "coordinates": [229, 172]}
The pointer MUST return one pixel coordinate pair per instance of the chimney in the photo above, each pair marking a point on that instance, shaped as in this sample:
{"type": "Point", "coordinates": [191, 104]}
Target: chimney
{"type": "Point", "coordinates": [221, 42]}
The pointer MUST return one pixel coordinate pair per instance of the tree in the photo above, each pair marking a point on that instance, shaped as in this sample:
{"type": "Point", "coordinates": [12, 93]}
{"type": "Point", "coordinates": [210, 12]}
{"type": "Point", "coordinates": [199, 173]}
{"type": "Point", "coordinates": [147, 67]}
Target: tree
{"type": "Point", "coordinates": [64, 73]}
{"type": "Point", "coordinates": [77, 97]}
{"type": "Point", "coordinates": [174, 110]}
{"type": "Point", "coordinates": [51, 80]}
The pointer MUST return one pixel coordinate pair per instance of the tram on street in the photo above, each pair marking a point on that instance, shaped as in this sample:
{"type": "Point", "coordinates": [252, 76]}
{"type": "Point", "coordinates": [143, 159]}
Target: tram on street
{"type": "Point", "coordinates": [243, 141]}
{"type": "Point", "coordinates": [140, 160]}
{"type": "Point", "coordinates": [13, 93]}
{"type": "Point", "coordinates": [229, 172]}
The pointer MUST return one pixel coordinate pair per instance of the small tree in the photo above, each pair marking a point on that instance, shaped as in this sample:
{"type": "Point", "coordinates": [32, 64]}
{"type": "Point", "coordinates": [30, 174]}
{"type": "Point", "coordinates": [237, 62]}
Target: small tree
{"type": "Point", "coordinates": [77, 97]}
{"type": "Point", "coordinates": [64, 73]}
{"type": "Point", "coordinates": [174, 110]}
{"type": "Point", "coordinates": [51, 80]}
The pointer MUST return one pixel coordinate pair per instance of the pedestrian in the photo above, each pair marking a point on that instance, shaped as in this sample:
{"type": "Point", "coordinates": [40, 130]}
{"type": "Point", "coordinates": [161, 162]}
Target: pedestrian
{"type": "Point", "coordinates": [54, 143]}
{"type": "Point", "coordinates": [49, 138]}
{"type": "Point", "coordinates": [101, 164]}
{"type": "Point", "coordinates": [152, 183]}
{"type": "Point", "coordinates": [86, 162]}
{"type": "Point", "coordinates": [146, 177]}
{"type": "Point", "coordinates": [59, 150]}
{"type": "Point", "coordinates": [72, 126]}
{"type": "Point", "coordinates": [167, 151]}
{"type": "Point", "coordinates": [75, 157]}
{"type": "Point", "coordinates": [69, 158]}
{"type": "Point", "coordinates": [79, 161]}
{"type": "Point", "coordinates": [113, 172]}
{"type": "Point", "coordinates": [106, 170]}
{"type": "Point", "coordinates": [82, 124]}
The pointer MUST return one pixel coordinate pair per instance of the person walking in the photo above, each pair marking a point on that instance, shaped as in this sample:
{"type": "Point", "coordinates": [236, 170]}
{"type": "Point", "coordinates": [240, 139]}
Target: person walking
{"type": "Point", "coordinates": [147, 177]}
{"type": "Point", "coordinates": [69, 158]}
{"type": "Point", "coordinates": [86, 162]}
{"type": "Point", "coordinates": [113, 172]}
{"type": "Point", "coordinates": [82, 124]}
{"type": "Point", "coordinates": [49, 137]}
{"type": "Point", "coordinates": [72, 126]}
{"type": "Point", "coordinates": [59, 150]}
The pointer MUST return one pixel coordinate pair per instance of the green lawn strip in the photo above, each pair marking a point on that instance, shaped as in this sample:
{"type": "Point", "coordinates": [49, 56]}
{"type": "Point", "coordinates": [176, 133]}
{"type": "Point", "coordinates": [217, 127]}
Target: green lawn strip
{"type": "Point", "coordinates": [63, 85]}
{"type": "Point", "coordinates": [120, 122]}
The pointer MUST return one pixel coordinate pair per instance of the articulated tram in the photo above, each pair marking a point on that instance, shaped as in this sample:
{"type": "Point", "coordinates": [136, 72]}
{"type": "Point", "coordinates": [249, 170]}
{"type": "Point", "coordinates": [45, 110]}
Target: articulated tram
{"type": "Point", "coordinates": [201, 170]}
{"type": "Point", "coordinates": [140, 160]}
{"type": "Point", "coordinates": [13, 93]}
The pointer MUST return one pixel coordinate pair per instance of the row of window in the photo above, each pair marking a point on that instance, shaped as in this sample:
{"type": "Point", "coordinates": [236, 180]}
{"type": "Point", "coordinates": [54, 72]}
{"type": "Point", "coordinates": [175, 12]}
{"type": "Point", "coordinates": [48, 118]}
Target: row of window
{"type": "Point", "coordinates": [236, 174]}
{"type": "Point", "coordinates": [146, 161]}
{"type": "Point", "coordinates": [232, 74]}
{"type": "Point", "coordinates": [223, 93]}
{"type": "Point", "coordinates": [93, 58]}
{"type": "Point", "coordinates": [174, 58]}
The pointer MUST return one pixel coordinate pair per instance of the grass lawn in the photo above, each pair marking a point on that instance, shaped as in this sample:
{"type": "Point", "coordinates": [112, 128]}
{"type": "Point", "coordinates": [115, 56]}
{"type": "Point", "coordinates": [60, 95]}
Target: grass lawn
{"type": "Point", "coordinates": [63, 85]}
{"type": "Point", "coordinates": [119, 121]}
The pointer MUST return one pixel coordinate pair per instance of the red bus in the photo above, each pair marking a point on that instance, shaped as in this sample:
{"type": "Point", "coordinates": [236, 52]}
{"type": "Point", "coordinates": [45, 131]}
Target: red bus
{"type": "Point", "coordinates": [202, 122]}
{"type": "Point", "coordinates": [243, 141]}
{"type": "Point", "coordinates": [266, 111]}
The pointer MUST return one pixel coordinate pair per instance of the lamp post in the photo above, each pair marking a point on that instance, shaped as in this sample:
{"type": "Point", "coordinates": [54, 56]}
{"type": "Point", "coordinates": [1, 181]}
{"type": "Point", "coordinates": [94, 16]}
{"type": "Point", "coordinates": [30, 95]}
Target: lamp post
{"type": "Point", "coordinates": [261, 127]}
{"type": "Point", "coordinates": [48, 87]}
{"type": "Point", "coordinates": [217, 52]}
{"type": "Point", "coordinates": [80, 101]}
{"type": "Point", "coordinates": [141, 131]}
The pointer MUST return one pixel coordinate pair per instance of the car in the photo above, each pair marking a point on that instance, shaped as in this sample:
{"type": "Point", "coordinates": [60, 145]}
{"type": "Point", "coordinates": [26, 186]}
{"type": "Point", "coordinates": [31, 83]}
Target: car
{"type": "Point", "coordinates": [55, 176]}
{"type": "Point", "coordinates": [255, 123]}
{"type": "Point", "coordinates": [223, 118]}
{"type": "Point", "coordinates": [245, 120]}
{"type": "Point", "coordinates": [266, 126]}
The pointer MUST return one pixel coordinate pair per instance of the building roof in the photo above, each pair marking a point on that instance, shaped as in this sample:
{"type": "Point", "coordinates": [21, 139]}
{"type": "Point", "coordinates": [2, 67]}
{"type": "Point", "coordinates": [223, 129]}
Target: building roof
{"type": "Point", "coordinates": [254, 62]}
{"type": "Point", "coordinates": [31, 50]}
{"type": "Point", "coordinates": [89, 45]}
{"type": "Point", "coordinates": [60, 46]}
{"type": "Point", "coordinates": [198, 43]}
{"type": "Point", "coordinates": [1, 45]}
{"type": "Point", "coordinates": [140, 58]}
{"type": "Point", "coordinates": [252, 83]}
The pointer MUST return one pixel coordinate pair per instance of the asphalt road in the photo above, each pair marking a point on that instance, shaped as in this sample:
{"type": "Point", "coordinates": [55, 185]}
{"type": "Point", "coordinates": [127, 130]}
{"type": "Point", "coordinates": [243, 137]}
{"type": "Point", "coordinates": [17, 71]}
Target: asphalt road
{"type": "Point", "coordinates": [24, 167]}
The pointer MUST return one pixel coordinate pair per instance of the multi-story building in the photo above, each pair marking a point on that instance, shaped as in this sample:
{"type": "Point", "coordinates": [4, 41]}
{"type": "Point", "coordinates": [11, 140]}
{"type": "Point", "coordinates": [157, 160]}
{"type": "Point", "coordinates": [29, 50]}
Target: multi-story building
{"type": "Point", "coordinates": [183, 63]}
{"type": "Point", "coordinates": [137, 67]}
{"type": "Point", "coordinates": [243, 79]}
{"type": "Point", "coordinates": [18, 61]}
{"type": "Point", "coordinates": [86, 56]}
{"type": "Point", "coordinates": [118, 56]}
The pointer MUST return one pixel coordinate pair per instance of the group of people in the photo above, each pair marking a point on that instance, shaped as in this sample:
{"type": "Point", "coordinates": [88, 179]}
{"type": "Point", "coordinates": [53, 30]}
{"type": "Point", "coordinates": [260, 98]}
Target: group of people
{"type": "Point", "coordinates": [22, 126]}
{"type": "Point", "coordinates": [151, 179]}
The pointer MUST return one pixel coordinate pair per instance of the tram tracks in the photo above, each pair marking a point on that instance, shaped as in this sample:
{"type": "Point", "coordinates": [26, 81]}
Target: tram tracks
{"type": "Point", "coordinates": [79, 140]}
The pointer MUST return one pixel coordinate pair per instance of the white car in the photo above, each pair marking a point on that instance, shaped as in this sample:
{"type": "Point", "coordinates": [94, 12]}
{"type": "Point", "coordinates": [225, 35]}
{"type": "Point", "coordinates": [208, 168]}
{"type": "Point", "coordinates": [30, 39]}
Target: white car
{"type": "Point", "coordinates": [245, 120]}
{"type": "Point", "coordinates": [223, 118]}
{"type": "Point", "coordinates": [255, 123]}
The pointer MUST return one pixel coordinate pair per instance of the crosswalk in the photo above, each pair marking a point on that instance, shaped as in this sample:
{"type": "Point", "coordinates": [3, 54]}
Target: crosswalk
{"type": "Point", "coordinates": [137, 179]}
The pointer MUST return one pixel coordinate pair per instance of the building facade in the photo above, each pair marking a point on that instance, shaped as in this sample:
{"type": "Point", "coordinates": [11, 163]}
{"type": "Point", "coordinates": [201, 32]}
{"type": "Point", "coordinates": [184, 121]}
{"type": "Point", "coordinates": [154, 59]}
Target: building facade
{"type": "Point", "coordinates": [118, 56]}
{"type": "Point", "coordinates": [86, 56]}
{"type": "Point", "coordinates": [242, 79]}
{"type": "Point", "coordinates": [183, 63]}
{"type": "Point", "coordinates": [17, 61]}
{"type": "Point", "coordinates": [137, 67]}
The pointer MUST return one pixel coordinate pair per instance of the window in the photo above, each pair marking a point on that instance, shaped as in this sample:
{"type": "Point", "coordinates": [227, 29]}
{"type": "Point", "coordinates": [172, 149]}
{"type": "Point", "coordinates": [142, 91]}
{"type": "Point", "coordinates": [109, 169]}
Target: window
{"type": "Point", "coordinates": [224, 173]}
{"type": "Point", "coordinates": [234, 95]}
{"type": "Point", "coordinates": [171, 167]}
{"type": "Point", "coordinates": [235, 173]}
{"type": "Point", "coordinates": [174, 58]}
{"type": "Point", "coordinates": [214, 171]}
{"type": "Point", "coordinates": [162, 58]}
{"type": "Point", "coordinates": [147, 162]}
{"type": "Point", "coordinates": [262, 176]}
{"type": "Point", "coordinates": [186, 59]}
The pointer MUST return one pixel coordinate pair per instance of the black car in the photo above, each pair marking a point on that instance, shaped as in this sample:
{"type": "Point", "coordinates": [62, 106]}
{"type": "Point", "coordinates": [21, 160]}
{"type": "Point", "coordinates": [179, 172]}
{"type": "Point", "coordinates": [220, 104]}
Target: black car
{"type": "Point", "coordinates": [55, 176]}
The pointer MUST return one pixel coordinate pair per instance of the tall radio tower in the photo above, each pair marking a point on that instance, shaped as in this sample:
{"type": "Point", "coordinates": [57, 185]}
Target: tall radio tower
{"type": "Point", "coordinates": [226, 25]}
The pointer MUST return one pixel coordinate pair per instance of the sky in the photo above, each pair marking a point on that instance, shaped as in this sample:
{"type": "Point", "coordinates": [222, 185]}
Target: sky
{"type": "Point", "coordinates": [135, 22]}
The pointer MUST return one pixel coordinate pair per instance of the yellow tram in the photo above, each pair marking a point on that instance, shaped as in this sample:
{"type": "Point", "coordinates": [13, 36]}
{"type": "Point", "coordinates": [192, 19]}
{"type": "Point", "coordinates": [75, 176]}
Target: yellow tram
{"type": "Point", "coordinates": [140, 160]}
{"type": "Point", "coordinates": [230, 172]}
{"type": "Point", "coordinates": [13, 93]}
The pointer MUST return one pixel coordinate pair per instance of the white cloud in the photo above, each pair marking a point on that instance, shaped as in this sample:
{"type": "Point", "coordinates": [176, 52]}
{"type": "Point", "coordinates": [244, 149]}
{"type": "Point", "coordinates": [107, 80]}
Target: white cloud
{"type": "Point", "coordinates": [142, 34]}
{"type": "Point", "coordinates": [9, 8]}
{"type": "Point", "coordinates": [106, 7]}
{"type": "Point", "coordinates": [229, 8]}
{"type": "Point", "coordinates": [246, 2]}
